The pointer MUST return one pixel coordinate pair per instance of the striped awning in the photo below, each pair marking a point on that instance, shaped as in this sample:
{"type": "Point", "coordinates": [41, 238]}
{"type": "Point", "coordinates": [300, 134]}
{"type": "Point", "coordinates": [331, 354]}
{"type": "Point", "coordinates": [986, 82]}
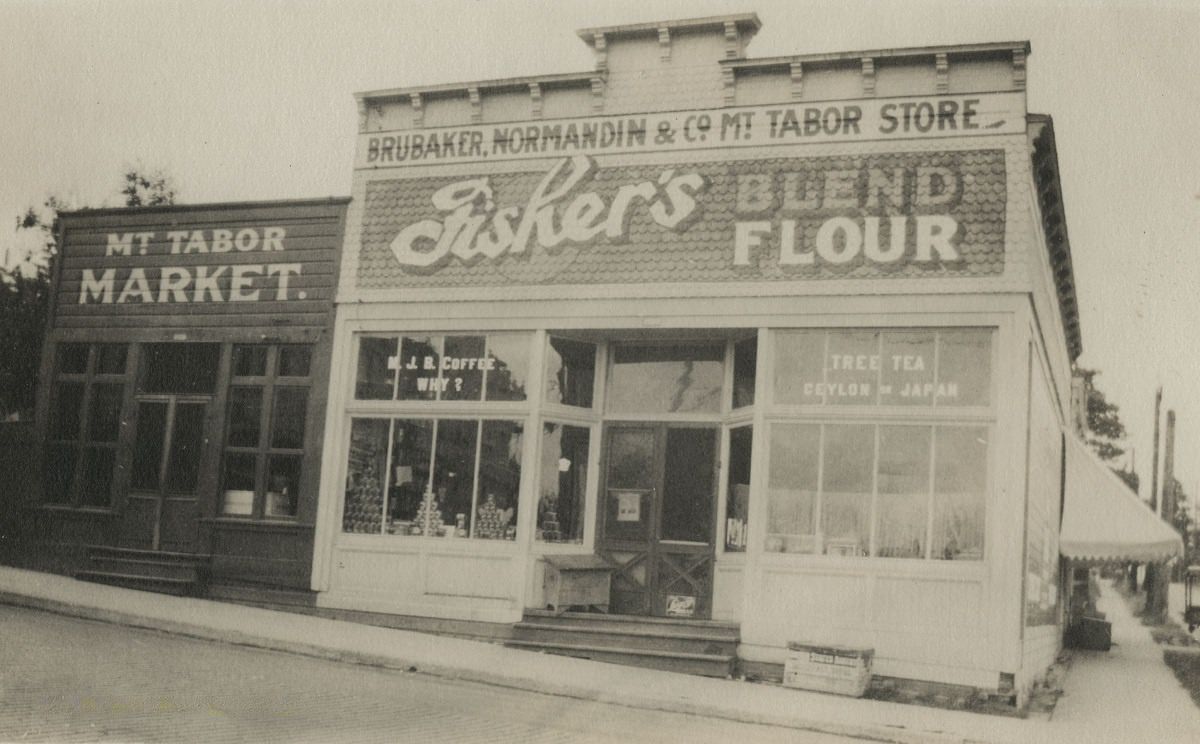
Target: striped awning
{"type": "Point", "coordinates": [1104, 521]}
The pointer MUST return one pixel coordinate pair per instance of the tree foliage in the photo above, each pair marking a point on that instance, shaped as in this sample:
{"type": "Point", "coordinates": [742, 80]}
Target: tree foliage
{"type": "Point", "coordinates": [25, 287]}
{"type": "Point", "coordinates": [1105, 430]}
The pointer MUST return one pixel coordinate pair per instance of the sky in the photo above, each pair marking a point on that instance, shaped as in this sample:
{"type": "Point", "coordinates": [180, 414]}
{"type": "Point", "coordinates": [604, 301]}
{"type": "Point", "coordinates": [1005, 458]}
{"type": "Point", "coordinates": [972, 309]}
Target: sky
{"type": "Point", "coordinates": [252, 100]}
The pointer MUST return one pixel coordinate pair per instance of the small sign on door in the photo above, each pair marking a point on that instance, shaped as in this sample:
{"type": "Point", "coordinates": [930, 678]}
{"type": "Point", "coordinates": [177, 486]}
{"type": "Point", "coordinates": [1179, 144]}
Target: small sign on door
{"type": "Point", "coordinates": [629, 506]}
{"type": "Point", "coordinates": [681, 605]}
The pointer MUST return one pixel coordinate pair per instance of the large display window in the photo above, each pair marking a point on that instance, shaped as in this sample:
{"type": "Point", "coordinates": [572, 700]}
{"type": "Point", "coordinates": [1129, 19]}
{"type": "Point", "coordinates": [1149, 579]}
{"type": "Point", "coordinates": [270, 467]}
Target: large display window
{"type": "Point", "coordinates": [450, 478]}
{"type": "Point", "coordinates": [848, 485]}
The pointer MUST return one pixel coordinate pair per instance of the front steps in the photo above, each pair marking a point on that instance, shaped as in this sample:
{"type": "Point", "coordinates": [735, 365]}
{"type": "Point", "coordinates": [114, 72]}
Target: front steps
{"type": "Point", "coordinates": [180, 574]}
{"type": "Point", "coordinates": [699, 647]}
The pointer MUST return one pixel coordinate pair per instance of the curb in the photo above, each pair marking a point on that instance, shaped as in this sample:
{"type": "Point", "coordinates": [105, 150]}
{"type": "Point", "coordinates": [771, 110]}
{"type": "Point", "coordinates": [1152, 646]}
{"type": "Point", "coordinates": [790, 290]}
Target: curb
{"type": "Point", "coordinates": [867, 732]}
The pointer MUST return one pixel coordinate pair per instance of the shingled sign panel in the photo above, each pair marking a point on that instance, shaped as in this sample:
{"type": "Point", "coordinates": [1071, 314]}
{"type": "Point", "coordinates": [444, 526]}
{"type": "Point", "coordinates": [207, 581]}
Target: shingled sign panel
{"type": "Point", "coordinates": [221, 266]}
{"type": "Point", "coordinates": [575, 221]}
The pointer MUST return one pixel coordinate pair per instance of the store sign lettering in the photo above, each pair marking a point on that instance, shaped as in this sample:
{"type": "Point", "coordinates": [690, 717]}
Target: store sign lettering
{"type": "Point", "coordinates": [241, 282]}
{"type": "Point", "coordinates": [435, 383]}
{"type": "Point", "coordinates": [920, 238]}
{"type": "Point", "coordinates": [846, 365]}
{"type": "Point", "coordinates": [746, 126]}
{"type": "Point", "coordinates": [475, 228]}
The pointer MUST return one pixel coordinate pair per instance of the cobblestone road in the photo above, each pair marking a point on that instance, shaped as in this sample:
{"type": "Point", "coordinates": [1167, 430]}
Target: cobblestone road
{"type": "Point", "coordinates": [70, 680]}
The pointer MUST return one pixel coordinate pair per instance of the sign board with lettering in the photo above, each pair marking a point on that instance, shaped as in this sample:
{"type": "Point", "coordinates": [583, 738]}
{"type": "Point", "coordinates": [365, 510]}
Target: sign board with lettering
{"type": "Point", "coordinates": [224, 265]}
{"type": "Point", "coordinates": [575, 221]}
{"type": "Point", "coordinates": [861, 120]}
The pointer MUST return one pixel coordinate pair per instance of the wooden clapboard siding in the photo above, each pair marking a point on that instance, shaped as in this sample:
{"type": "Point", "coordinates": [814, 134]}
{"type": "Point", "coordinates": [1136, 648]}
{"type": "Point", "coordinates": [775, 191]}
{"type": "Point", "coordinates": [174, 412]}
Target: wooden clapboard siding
{"type": "Point", "coordinates": [313, 234]}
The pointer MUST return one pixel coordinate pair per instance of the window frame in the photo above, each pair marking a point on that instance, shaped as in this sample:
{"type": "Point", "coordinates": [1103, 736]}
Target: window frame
{"type": "Point", "coordinates": [91, 379]}
{"type": "Point", "coordinates": [878, 415]}
{"type": "Point", "coordinates": [264, 450]}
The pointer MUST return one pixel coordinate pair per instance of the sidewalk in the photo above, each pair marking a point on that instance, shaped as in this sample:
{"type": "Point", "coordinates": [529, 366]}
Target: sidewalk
{"type": "Point", "coordinates": [1127, 694]}
{"type": "Point", "coordinates": [1102, 691]}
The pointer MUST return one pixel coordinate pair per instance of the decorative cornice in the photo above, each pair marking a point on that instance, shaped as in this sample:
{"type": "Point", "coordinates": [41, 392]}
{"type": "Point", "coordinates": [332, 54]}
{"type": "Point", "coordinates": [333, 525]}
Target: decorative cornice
{"type": "Point", "coordinates": [1018, 64]}
{"type": "Point", "coordinates": [729, 85]}
{"type": "Point", "coordinates": [597, 93]}
{"type": "Point", "coordinates": [942, 64]}
{"type": "Point", "coordinates": [418, 110]}
{"type": "Point", "coordinates": [868, 76]}
{"type": "Point", "coordinates": [476, 104]}
{"type": "Point", "coordinates": [601, 47]}
{"type": "Point", "coordinates": [733, 46]}
{"type": "Point", "coordinates": [535, 100]}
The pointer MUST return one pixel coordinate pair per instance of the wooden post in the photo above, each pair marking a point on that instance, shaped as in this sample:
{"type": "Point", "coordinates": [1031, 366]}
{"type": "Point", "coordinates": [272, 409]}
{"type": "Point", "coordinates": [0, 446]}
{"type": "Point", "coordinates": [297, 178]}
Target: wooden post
{"type": "Point", "coordinates": [1148, 582]}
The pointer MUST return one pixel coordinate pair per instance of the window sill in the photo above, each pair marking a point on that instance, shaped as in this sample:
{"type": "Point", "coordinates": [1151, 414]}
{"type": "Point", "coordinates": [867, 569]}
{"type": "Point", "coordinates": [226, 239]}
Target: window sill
{"type": "Point", "coordinates": [257, 524]}
{"type": "Point", "coordinates": [82, 511]}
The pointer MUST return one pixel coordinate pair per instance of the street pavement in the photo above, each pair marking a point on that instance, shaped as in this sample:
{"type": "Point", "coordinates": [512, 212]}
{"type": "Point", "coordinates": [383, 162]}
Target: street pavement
{"type": "Point", "coordinates": [65, 679]}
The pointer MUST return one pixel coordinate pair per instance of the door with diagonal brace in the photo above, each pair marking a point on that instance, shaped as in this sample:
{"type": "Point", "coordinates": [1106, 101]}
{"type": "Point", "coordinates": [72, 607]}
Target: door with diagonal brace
{"type": "Point", "coordinates": [657, 518]}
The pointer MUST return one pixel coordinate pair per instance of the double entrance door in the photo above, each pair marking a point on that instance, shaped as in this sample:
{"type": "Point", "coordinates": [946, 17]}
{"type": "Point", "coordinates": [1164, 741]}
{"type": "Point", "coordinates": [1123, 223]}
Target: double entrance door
{"type": "Point", "coordinates": [658, 518]}
{"type": "Point", "coordinates": [171, 453]}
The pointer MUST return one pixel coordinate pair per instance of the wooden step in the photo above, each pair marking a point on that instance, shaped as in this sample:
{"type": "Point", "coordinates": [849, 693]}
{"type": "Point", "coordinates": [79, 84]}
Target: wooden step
{"type": "Point", "coordinates": [158, 584]}
{"type": "Point", "coordinates": [161, 556]}
{"type": "Point", "coordinates": [145, 567]}
{"type": "Point", "coordinates": [621, 623]}
{"type": "Point", "coordinates": [636, 636]}
{"type": "Point", "coordinates": [708, 665]}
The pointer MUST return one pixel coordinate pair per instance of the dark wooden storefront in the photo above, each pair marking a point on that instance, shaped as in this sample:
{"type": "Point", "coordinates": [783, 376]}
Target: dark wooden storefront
{"type": "Point", "coordinates": [185, 373]}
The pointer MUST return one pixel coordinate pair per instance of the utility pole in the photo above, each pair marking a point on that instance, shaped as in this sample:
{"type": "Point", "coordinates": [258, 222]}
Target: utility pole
{"type": "Point", "coordinates": [1156, 590]}
{"type": "Point", "coordinates": [1153, 497]}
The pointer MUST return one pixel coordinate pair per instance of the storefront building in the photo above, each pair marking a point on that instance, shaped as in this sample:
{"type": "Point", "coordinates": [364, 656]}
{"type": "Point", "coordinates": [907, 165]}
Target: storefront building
{"type": "Point", "coordinates": [786, 341]}
{"type": "Point", "coordinates": [185, 370]}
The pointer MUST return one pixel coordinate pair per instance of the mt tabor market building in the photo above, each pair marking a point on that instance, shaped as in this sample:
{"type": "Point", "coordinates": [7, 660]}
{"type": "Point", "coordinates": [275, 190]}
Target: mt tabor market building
{"type": "Point", "coordinates": [775, 346]}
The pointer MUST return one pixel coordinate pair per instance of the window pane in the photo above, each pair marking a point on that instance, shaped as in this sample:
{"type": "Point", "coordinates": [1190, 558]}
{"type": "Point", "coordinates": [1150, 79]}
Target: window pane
{"type": "Point", "coordinates": [852, 368]}
{"type": "Point", "coordinates": [249, 361]}
{"type": "Point", "coordinates": [666, 378]}
{"type": "Point", "coordinates": [239, 484]}
{"type": "Point", "coordinates": [737, 498]}
{"type": "Point", "coordinates": [631, 459]}
{"type": "Point", "coordinates": [688, 485]}
{"type": "Point", "coordinates": [110, 359]}
{"type": "Point", "coordinates": [105, 413]}
{"type": "Point", "coordinates": [412, 447]}
{"type": "Point", "coordinates": [181, 368]}
{"type": "Point", "coordinates": [187, 438]}
{"type": "Point", "coordinates": [902, 511]}
{"type": "Point", "coordinates": [960, 489]}
{"type": "Point", "coordinates": [964, 368]}
{"type": "Point", "coordinates": [59, 472]}
{"type": "Point", "coordinates": [366, 460]}
{"type": "Point", "coordinates": [420, 359]}
{"type": "Point", "coordinates": [245, 416]}
{"type": "Point", "coordinates": [499, 480]}
{"type": "Point", "coordinates": [96, 477]}
{"type": "Point", "coordinates": [847, 465]}
{"type": "Point", "coordinates": [283, 485]}
{"type": "Point", "coordinates": [570, 372]}
{"type": "Point", "coordinates": [294, 361]}
{"type": "Point", "coordinates": [564, 473]}
{"type": "Point", "coordinates": [147, 452]}
{"type": "Point", "coordinates": [508, 366]}
{"type": "Point", "coordinates": [792, 487]}
{"type": "Point", "coordinates": [287, 417]}
{"type": "Point", "coordinates": [630, 481]}
{"type": "Point", "coordinates": [462, 368]}
{"type": "Point", "coordinates": [72, 358]}
{"type": "Point", "coordinates": [68, 403]}
{"type": "Point", "coordinates": [375, 379]}
{"type": "Point", "coordinates": [907, 368]}
{"type": "Point", "coordinates": [799, 367]}
{"type": "Point", "coordinates": [454, 474]}
{"type": "Point", "coordinates": [745, 366]}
